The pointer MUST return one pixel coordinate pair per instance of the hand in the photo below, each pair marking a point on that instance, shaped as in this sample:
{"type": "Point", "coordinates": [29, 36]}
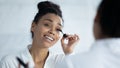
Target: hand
{"type": "Point", "coordinates": [69, 46]}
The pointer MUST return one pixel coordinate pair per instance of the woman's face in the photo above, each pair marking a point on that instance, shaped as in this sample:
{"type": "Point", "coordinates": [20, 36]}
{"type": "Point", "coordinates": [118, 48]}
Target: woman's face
{"type": "Point", "coordinates": [47, 31]}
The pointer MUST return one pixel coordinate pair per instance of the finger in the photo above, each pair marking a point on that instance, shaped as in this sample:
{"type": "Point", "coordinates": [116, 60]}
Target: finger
{"type": "Point", "coordinates": [76, 37]}
{"type": "Point", "coordinates": [18, 65]}
{"type": "Point", "coordinates": [62, 42]}
{"type": "Point", "coordinates": [73, 40]}
{"type": "Point", "coordinates": [71, 37]}
{"type": "Point", "coordinates": [64, 38]}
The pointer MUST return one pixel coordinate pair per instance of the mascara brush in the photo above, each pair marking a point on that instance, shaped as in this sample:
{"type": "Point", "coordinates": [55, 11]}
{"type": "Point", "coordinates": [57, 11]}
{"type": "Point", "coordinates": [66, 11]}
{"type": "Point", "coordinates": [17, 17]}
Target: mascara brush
{"type": "Point", "coordinates": [64, 35]}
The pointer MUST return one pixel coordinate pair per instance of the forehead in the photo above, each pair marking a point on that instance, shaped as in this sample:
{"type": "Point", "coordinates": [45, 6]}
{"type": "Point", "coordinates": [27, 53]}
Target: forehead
{"type": "Point", "coordinates": [52, 18]}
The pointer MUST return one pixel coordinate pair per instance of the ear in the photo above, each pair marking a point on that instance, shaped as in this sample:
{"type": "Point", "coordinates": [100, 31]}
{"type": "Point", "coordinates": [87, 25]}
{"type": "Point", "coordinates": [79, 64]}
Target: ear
{"type": "Point", "coordinates": [33, 27]}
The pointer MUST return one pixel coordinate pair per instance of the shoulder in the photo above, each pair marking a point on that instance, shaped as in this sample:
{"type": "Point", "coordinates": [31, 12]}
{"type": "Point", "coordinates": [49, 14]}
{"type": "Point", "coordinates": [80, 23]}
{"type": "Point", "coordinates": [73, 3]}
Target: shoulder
{"type": "Point", "coordinates": [8, 61]}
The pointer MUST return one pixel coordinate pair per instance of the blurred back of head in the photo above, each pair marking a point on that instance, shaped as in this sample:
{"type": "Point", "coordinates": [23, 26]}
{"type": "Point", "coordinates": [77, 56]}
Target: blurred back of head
{"type": "Point", "coordinates": [109, 17]}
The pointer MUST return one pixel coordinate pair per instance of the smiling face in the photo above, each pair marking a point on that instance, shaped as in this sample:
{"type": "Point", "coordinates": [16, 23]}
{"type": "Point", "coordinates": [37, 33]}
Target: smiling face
{"type": "Point", "coordinates": [47, 31]}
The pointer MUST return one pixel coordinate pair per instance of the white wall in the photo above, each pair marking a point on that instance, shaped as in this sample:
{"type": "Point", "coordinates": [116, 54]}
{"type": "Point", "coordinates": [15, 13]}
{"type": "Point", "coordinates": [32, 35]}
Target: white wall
{"type": "Point", "coordinates": [16, 17]}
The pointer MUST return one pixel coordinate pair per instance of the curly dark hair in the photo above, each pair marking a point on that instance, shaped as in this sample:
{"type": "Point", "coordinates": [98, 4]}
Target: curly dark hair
{"type": "Point", "coordinates": [45, 7]}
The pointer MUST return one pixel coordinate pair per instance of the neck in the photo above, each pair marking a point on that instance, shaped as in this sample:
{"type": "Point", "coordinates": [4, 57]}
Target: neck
{"type": "Point", "coordinates": [39, 54]}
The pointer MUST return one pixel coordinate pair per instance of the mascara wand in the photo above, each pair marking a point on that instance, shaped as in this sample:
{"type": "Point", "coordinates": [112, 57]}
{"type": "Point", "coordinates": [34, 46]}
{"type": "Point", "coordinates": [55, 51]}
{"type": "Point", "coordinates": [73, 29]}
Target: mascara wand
{"type": "Point", "coordinates": [64, 35]}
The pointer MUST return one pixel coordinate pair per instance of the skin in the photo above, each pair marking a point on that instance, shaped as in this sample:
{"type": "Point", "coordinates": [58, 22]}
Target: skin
{"type": "Point", "coordinates": [97, 29]}
{"type": "Point", "coordinates": [46, 33]}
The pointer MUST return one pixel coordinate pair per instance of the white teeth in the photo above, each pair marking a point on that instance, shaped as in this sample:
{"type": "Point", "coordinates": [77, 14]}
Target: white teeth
{"type": "Point", "coordinates": [50, 38]}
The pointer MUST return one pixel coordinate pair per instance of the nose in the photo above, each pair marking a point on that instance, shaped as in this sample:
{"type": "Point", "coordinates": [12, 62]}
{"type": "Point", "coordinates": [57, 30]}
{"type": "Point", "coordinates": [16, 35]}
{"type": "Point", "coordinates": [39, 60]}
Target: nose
{"type": "Point", "coordinates": [51, 31]}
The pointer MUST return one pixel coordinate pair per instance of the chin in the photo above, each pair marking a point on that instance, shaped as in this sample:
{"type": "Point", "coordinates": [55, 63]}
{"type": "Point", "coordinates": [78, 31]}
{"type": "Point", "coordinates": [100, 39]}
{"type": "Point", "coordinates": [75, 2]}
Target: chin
{"type": "Point", "coordinates": [48, 45]}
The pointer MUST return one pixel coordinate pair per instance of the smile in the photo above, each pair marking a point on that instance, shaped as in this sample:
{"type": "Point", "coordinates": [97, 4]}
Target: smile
{"type": "Point", "coordinates": [49, 38]}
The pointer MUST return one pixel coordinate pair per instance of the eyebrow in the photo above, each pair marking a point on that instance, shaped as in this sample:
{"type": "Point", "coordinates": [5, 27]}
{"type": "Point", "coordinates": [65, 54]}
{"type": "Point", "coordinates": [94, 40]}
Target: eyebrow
{"type": "Point", "coordinates": [52, 21]}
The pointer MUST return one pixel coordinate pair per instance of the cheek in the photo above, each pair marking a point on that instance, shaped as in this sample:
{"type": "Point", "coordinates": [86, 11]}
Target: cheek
{"type": "Point", "coordinates": [41, 29]}
{"type": "Point", "coordinates": [38, 31]}
{"type": "Point", "coordinates": [58, 37]}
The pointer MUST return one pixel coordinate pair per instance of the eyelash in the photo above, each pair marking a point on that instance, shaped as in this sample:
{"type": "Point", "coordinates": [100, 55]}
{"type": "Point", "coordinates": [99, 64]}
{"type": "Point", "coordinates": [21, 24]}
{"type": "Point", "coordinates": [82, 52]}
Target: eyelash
{"type": "Point", "coordinates": [46, 24]}
{"type": "Point", "coordinates": [56, 29]}
{"type": "Point", "coordinates": [59, 30]}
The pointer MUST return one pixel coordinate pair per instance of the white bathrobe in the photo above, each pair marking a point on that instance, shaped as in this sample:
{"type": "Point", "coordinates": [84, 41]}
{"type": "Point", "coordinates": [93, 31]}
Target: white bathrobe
{"type": "Point", "coordinates": [104, 53]}
{"type": "Point", "coordinates": [10, 61]}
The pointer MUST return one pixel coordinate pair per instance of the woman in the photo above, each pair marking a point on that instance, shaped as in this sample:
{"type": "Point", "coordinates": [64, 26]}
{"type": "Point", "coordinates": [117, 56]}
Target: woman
{"type": "Point", "coordinates": [46, 31]}
{"type": "Point", "coordinates": [105, 52]}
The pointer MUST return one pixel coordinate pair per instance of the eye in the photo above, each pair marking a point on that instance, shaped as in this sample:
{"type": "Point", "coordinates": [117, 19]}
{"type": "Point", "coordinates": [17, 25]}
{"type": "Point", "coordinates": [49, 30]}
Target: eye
{"type": "Point", "coordinates": [59, 30]}
{"type": "Point", "coordinates": [46, 24]}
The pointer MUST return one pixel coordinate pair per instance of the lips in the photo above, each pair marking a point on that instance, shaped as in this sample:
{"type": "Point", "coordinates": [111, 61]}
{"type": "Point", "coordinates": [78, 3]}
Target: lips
{"type": "Point", "coordinates": [49, 38]}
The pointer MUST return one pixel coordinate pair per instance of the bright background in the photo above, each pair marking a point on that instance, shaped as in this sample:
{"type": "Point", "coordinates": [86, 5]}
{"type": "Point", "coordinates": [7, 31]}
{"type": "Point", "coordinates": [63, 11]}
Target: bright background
{"type": "Point", "coordinates": [16, 17]}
